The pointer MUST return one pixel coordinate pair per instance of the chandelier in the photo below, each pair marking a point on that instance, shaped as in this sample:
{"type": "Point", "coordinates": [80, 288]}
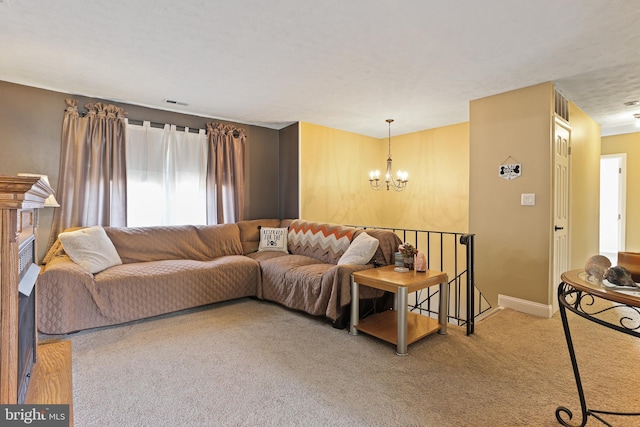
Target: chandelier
{"type": "Point", "coordinates": [398, 184]}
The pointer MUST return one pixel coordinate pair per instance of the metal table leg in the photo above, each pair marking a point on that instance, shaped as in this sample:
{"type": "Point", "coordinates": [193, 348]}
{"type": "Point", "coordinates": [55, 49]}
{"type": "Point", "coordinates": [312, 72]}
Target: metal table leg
{"type": "Point", "coordinates": [576, 307]}
{"type": "Point", "coordinates": [443, 310]}
{"type": "Point", "coordinates": [402, 320]}
{"type": "Point", "coordinates": [355, 307]}
{"type": "Point", "coordinates": [583, 404]}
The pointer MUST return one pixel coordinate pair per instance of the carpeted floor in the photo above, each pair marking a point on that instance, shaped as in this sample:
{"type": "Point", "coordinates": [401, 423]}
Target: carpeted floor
{"type": "Point", "coordinates": [252, 363]}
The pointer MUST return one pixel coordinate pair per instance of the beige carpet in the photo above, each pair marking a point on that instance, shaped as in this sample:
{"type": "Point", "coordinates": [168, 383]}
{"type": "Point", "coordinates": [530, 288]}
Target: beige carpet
{"type": "Point", "coordinates": [251, 363]}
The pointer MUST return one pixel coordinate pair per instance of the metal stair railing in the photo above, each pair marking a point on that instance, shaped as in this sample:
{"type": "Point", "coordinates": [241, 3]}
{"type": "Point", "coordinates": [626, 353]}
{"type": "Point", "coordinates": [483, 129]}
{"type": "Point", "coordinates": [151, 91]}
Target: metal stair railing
{"type": "Point", "coordinates": [452, 253]}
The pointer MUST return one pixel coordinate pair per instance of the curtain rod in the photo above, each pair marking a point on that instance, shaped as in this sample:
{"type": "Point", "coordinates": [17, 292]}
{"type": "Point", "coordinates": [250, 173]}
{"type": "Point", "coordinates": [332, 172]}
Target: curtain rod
{"type": "Point", "coordinates": [160, 125]}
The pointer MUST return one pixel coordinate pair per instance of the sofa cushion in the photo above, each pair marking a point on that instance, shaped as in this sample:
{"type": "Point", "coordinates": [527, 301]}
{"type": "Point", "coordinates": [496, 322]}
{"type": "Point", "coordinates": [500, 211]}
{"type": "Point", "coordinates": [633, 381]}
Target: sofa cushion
{"type": "Point", "coordinates": [90, 248]}
{"type": "Point", "coordinates": [325, 242]}
{"type": "Point", "coordinates": [265, 255]}
{"type": "Point", "coordinates": [72, 299]}
{"type": "Point", "coordinates": [307, 284]}
{"type": "Point", "coordinates": [135, 290]}
{"type": "Point", "coordinates": [196, 242]}
{"type": "Point", "coordinates": [360, 250]}
{"type": "Point", "coordinates": [275, 286]}
{"type": "Point", "coordinates": [273, 239]}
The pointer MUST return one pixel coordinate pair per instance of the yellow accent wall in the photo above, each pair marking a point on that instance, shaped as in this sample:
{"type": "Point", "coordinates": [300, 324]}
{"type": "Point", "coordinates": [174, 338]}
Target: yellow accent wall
{"type": "Point", "coordinates": [437, 196]}
{"type": "Point", "coordinates": [334, 171]}
{"type": "Point", "coordinates": [630, 144]}
{"type": "Point", "coordinates": [585, 184]}
{"type": "Point", "coordinates": [331, 180]}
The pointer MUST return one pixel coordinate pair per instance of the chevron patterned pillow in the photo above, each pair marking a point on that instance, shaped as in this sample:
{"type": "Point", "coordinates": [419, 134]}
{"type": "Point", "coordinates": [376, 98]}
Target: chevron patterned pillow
{"type": "Point", "coordinates": [325, 242]}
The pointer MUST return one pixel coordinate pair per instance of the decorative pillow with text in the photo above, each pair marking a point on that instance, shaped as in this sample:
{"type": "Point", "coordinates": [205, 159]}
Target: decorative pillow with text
{"type": "Point", "coordinates": [273, 239]}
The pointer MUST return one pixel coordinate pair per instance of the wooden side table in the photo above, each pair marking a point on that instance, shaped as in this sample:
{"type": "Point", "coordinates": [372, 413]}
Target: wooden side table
{"type": "Point", "coordinates": [399, 326]}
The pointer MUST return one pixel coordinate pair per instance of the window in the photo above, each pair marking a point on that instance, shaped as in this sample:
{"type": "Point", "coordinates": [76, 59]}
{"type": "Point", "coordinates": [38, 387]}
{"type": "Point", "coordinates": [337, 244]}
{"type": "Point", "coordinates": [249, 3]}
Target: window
{"type": "Point", "coordinates": [166, 176]}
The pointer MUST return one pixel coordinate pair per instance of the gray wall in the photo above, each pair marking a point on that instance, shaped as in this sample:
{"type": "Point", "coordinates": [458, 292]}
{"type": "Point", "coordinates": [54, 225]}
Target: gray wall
{"type": "Point", "coordinates": [289, 174]}
{"type": "Point", "coordinates": [30, 133]}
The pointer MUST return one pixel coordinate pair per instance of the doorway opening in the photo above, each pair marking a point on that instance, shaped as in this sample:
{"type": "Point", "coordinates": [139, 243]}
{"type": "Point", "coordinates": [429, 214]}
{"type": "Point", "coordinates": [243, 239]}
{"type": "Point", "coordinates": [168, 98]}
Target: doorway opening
{"type": "Point", "coordinates": [613, 196]}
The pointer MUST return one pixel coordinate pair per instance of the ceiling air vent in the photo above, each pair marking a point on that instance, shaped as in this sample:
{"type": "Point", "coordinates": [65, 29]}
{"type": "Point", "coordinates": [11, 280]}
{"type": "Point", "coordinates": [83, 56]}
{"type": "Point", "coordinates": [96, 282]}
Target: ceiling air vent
{"type": "Point", "coordinates": [171, 101]}
{"type": "Point", "coordinates": [561, 105]}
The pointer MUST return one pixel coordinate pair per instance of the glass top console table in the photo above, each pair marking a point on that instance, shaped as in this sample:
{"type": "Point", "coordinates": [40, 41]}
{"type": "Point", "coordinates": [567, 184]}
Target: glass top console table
{"type": "Point", "coordinates": [580, 295]}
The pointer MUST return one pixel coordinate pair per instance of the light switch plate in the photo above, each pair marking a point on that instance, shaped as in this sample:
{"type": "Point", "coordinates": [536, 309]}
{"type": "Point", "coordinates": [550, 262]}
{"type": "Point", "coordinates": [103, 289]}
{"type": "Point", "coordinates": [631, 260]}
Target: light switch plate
{"type": "Point", "coordinates": [528, 199]}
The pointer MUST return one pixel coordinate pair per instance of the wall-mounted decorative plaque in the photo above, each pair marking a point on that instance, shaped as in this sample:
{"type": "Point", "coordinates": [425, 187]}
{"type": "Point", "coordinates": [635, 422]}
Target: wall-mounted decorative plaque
{"type": "Point", "coordinates": [509, 169]}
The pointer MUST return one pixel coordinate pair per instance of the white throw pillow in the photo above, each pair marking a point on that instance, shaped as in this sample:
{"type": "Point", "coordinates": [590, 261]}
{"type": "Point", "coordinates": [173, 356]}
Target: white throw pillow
{"type": "Point", "coordinates": [90, 248]}
{"type": "Point", "coordinates": [273, 239]}
{"type": "Point", "coordinates": [360, 251]}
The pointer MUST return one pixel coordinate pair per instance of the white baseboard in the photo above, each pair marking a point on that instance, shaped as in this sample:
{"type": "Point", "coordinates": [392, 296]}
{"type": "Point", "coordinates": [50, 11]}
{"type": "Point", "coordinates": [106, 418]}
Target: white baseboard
{"type": "Point", "coordinates": [524, 306]}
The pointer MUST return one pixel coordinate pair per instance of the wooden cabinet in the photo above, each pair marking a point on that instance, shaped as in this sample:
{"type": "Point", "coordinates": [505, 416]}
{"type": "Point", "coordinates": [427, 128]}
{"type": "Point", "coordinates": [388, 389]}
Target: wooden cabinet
{"type": "Point", "coordinates": [20, 199]}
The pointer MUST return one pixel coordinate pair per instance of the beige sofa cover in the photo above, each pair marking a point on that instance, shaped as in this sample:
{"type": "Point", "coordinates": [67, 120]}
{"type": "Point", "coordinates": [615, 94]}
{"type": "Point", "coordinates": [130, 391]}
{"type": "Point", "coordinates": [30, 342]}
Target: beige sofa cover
{"type": "Point", "coordinates": [164, 269]}
{"type": "Point", "coordinates": [308, 278]}
{"type": "Point", "coordinates": [171, 268]}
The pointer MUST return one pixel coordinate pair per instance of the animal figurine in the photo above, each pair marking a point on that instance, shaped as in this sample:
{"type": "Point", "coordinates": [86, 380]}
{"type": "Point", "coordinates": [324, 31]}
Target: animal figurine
{"type": "Point", "coordinates": [596, 267]}
{"type": "Point", "coordinates": [620, 276]}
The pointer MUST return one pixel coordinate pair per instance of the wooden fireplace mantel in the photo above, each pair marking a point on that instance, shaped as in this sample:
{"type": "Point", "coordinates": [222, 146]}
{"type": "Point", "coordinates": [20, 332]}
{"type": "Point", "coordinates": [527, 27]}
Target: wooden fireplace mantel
{"type": "Point", "coordinates": [20, 198]}
{"type": "Point", "coordinates": [23, 192]}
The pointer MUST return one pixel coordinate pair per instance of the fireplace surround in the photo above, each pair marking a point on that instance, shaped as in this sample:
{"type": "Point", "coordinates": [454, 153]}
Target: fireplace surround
{"type": "Point", "coordinates": [20, 200]}
{"type": "Point", "coordinates": [27, 332]}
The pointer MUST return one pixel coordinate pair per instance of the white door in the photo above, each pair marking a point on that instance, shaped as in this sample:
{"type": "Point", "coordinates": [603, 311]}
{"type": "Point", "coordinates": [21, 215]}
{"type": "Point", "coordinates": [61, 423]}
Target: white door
{"type": "Point", "coordinates": [613, 195]}
{"type": "Point", "coordinates": [561, 151]}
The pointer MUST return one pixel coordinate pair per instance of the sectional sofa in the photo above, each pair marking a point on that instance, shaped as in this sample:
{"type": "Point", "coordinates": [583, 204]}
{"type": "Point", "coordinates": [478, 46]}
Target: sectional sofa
{"type": "Point", "coordinates": [136, 273]}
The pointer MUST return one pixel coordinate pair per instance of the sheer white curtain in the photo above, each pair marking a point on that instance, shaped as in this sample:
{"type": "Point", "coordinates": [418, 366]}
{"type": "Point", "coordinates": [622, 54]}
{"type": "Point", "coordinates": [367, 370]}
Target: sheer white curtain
{"type": "Point", "coordinates": [166, 176]}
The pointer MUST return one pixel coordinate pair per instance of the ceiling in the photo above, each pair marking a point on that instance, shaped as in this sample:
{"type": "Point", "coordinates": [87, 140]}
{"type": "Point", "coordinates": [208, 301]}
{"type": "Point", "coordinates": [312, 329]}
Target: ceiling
{"type": "Point", "coordinates": [343, 64]}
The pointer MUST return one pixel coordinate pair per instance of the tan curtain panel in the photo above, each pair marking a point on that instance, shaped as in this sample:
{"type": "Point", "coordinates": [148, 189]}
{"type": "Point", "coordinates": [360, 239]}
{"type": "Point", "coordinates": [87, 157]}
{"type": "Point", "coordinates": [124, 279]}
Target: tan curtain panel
{"type": "Point", "coordinates": [92, 178]}
{"type": "Point", "coordinates": [225, 173]}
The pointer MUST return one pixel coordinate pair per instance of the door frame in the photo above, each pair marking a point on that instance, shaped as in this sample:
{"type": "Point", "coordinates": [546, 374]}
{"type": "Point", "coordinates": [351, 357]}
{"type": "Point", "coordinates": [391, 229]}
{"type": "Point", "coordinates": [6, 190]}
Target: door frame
{"type": "Point", "coordinates": [556, 270]}
{"type": "Point", "coordinates": [622, 197]}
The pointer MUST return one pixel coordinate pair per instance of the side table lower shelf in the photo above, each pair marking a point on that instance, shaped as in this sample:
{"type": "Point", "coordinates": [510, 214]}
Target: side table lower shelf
{"type": "Point", "coordinates": [385, 326]}
{"type": "Point", "coordinates": [51, 378]}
